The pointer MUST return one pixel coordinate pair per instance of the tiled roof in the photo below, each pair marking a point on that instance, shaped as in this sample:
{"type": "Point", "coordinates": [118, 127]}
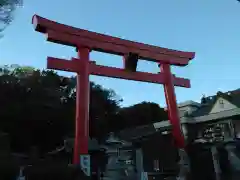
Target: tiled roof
{"type": "Point", "coordinates": [137, 132]}
{"type": "Point", "coordinates": [187, 103]}
{"type": "Point", "coordinates": [131, 134]}
{"type": "Point", "coordinates": [92, 143]}
{"type": "Point", "coordinates": [182, 113]}
{"type": "Point", "coordinates": [231, 96]}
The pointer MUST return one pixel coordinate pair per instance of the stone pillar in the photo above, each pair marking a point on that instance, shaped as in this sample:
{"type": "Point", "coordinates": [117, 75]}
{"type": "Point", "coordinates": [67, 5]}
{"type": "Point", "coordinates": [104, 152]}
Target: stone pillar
{"type": "Point", "coordinates": [227, 159]}
{"type": "Point", "coordinates": [184, 130]}
{"type": "Point", "coordinates": [216, 162]}
{"type": "Point", "coordinates": [139, 162]}
{"type": "Point", "coordinates": [184, 164]}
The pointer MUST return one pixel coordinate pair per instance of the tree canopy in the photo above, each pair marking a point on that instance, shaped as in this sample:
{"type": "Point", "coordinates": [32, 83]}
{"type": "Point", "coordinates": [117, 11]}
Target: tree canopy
{"type": "Point", "coordinates": [144, 113]}
{"type": "Point", "coordinates": [38, 109]}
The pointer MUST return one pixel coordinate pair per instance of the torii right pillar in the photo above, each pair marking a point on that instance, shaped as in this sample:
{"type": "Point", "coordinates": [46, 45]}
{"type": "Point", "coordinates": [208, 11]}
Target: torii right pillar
{"type": "Point", "coordinates": [172, 107]}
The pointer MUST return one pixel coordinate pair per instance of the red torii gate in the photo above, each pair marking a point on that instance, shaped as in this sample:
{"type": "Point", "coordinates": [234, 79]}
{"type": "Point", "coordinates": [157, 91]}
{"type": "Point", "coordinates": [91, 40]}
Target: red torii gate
{"type": "Point", "coordinates": [85, 41]}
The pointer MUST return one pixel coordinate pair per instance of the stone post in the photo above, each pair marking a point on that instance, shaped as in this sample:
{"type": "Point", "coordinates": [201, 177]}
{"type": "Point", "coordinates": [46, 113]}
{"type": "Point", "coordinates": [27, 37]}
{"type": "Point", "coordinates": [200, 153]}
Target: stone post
{"type": "Point", "coordinates": [216, 162]}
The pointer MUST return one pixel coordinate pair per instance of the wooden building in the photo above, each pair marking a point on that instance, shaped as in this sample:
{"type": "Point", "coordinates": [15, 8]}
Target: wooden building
{"type": "Point", "coordinates": [212, 131]}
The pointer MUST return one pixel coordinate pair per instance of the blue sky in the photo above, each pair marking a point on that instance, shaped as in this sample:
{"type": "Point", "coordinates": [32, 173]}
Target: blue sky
{"type": "Point", "coordinates": [211, 28]}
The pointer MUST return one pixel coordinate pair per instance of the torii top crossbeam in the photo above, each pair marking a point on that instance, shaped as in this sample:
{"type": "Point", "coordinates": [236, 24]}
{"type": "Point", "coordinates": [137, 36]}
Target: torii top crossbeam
{"type": "Point", "coordinates": [72, 36]}
{"type": "Point", "coordinates": [85, 41]}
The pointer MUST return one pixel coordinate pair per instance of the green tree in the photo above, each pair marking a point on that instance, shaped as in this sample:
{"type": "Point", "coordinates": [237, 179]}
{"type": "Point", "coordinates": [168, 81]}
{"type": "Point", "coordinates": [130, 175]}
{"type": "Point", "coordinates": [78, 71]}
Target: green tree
{"type": "Point", "coordinates": [139, 114]}
{"type": "Point", "coordinates": [104, 104]}
{"type": "Point", "coordinates": [39, 108]}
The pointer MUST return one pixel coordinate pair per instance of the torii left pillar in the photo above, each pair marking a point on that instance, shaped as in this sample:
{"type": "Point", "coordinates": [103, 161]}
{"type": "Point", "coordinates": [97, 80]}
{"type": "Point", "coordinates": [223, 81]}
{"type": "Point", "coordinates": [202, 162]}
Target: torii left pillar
{"type": "Point", "coordinates": [81, 67]}
{"type": "Point", "coordinates": [82, 111]}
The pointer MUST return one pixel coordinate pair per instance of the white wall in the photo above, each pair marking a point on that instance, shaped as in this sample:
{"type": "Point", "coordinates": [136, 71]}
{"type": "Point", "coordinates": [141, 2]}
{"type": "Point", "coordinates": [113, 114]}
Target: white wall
{"type": "Point", "coordinates": [222, 105]}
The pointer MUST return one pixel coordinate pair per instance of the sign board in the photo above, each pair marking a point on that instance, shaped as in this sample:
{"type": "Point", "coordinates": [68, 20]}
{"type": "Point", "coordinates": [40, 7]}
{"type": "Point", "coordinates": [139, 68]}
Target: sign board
{"type": "Point", "coordinates": [85, 164]}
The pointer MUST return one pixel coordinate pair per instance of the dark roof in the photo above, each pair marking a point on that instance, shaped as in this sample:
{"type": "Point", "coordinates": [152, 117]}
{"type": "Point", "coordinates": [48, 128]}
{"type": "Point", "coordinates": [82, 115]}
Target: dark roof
{"type": "Point", "coordinates": [182, 113]}
{"type": "Point", "coordinates": [231, 96]}
{"type": "Point", "coordinates": [69, 144]}
{"type": "Point", "coordinates": [132, 134]}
